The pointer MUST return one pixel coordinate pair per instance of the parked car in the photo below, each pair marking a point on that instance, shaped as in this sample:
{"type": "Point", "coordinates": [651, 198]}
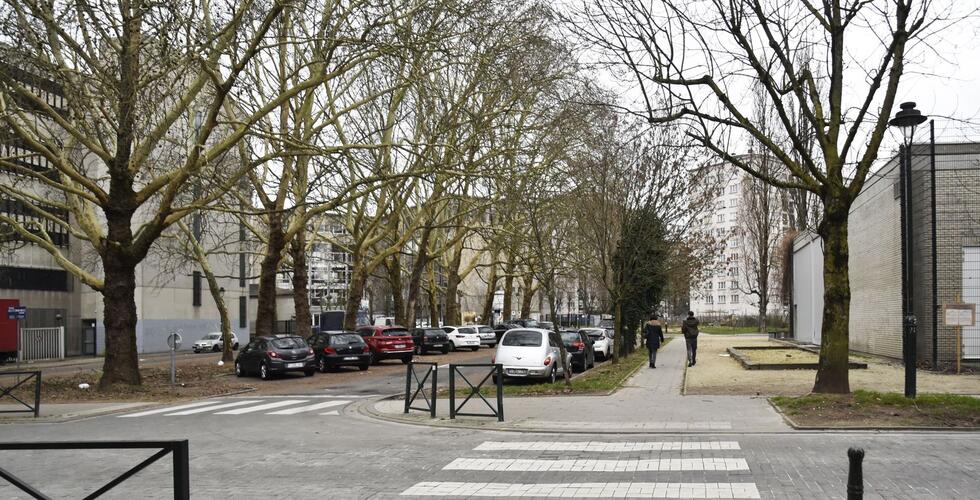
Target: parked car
{"type": "Point", "coordinates": [388, 342]}
{"type": "Point", "coordinates": [502, 328]}
{"type": "Point", "coordinates": [602, 342]}
{"type": "Point", "coordinates": [430, 339]}
{"type": "Point", "coordinates": [340, 348]}
{"type": "Point", "coordinates": [579, 346]}
{"type": "Point", "coordinates": [487, 335]}
{"type": "Point", "coordinates": [213, 342]}
{"type": "Point", "coordinates": [546, 325]}
{"type": "Point", "coordinates": [526, 322]}
{"type": "Point", "coordinates": [462, 337]}
{"type": "Point", "coordinates": [384, 321]}
{"type": "Point", "coordinates": [269, 356]}
{"type": "Point", "coordinates": [529, 353]}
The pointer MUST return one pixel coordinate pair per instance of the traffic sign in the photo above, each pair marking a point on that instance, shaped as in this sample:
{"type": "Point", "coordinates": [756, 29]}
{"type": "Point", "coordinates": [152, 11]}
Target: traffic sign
{"type": "Point", "coordinates": [16, 312]}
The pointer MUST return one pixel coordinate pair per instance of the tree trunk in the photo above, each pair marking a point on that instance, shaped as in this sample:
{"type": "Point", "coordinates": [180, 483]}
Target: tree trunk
{"type": "Point", "coordinates": [617, 331]}
{"type": "Point", "coordinates": [527, 296]}
{"type": "Point", "coordinates": [453, 315]}
{"type": "Point", "coordinates": [355, 292]}
{"type": "Point", "coordinates": [433, 309]}
{"type": "Point", "coordinates": [415, 286]}
{"type": "Point", "coordinates": [505, 313]}
{"type": "Point", "coordinates": [265, 311]}
{"type": "Point", "coordinates": [394, 267]}
{"type": "Point", "coordinates": [219, 302]}
{"type": "Point", "coordinates": [566, 366]}
{"type": "Point", "coordinates": [121, 364]}
{"type": "Point", "coordinates": [832, 373]}
{"type": "Point", "coordinates": [487, 314]}
{"type": "Point", "coordinates": [301, 289]}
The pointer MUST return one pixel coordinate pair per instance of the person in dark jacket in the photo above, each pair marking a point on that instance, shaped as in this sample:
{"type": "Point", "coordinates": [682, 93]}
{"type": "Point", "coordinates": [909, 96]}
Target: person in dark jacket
{"type": "Point", "coordinates": [653, 334]}
{"type": "Point", "coordinates": [690, 330]}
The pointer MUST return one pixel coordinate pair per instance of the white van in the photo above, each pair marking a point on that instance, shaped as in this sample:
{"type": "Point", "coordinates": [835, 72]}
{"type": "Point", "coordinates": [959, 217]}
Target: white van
{"type": "Point", "coordinates": [529, 353]}
{"type": "Point", "coordinates": [384, 321]}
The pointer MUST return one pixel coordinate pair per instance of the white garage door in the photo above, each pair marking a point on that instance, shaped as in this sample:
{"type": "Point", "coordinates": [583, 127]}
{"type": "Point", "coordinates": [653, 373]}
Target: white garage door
{"type": "Point", "coordinates": [971, 295]}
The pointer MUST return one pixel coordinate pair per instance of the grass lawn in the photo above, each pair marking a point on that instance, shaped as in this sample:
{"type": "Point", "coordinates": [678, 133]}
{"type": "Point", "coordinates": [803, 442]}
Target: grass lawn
{"type": "Point", "coordinates": [598, 380]}
{"type": "Point", "coordinates": [721, 330]}
{"type": "Point", "coordinates": [881, 409]}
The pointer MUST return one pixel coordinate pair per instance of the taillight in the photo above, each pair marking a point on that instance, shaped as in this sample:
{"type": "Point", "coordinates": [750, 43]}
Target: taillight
{"type": "Point", "coordinates": [310, 351]}
{"type": "Point", "coordinates": [329, 350]}
{"type": "Point", "coordinates": [578, 345]}
{"type": "Point", "coordinates": [273, 354]}
{"type": "Point", "coordinates": [547, 361]}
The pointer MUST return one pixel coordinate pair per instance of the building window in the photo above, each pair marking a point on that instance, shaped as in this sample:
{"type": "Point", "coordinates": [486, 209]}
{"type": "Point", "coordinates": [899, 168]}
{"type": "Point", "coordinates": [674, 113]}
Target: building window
{"type": "Point", "coordinates": [733, 189]}
{"type": "Point", "coordinates": [709, 299]}
{"type": "Point", "coordinates": [720, 218]}
{"type": "Point", "coordinates": [196, 289]}
{"type": "Point", "coordinates": [241, 269]}
{"type": "Point", "coordinates": [734, 299]}
{"type": "Point", "coordinates": [721, 285]}
{"type": "Point", "coordinates": [710, 285]}
{"type": "Point", "coordinates": [721, 299]}
{"type": "Point", "coordinates": [30, 278]}
{"type": "Point", "coordinates": [242, 312]}
{"type": "Point", "coordinates": [734, 284]}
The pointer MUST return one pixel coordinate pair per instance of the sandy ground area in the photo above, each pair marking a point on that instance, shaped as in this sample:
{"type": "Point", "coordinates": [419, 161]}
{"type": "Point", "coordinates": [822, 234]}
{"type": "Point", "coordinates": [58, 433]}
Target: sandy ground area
{"type": "Point", "coordinates": [718, 373]}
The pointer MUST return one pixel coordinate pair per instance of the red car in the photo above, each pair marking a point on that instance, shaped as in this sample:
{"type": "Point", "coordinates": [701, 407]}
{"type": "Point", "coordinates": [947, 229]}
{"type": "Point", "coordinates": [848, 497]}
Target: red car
{"type": "Point", "coordinates": [388, 342]}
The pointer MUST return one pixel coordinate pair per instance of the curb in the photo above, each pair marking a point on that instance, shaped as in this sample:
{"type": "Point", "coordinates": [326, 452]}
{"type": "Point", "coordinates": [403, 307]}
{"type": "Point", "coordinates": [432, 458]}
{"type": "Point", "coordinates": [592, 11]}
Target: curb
{"type": "Point", "coordinates": [884, 428]}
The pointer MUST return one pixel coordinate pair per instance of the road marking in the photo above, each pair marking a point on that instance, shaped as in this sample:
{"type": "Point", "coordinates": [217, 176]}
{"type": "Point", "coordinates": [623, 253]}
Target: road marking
{"type": "Point", "coordinates": [335, 412]}
{"type": "Point", "coordinates": [218, 407]}
{"type": "Point", "coordinates": [169, 408]}
{"type": "Point", "coordinates": [586, 490]}
{"type": "Point", "coordinates": [584, 465]}
{"type": "Point", "coordinates": [267, 406]}
{"type": "Point", "coordinates": [594, 446]}
{"type": "Point", "coordinates": [301, 409]}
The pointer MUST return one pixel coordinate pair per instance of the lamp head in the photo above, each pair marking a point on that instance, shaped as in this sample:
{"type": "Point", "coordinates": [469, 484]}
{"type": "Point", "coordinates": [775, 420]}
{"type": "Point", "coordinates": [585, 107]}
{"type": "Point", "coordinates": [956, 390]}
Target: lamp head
{"type": "Point", "coordinates": [906, 119]}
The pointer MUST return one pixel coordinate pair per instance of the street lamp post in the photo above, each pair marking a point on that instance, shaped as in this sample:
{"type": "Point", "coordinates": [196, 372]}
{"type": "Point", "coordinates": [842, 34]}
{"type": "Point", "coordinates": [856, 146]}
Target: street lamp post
{"type": "Point", "coordinates": [906, 120]}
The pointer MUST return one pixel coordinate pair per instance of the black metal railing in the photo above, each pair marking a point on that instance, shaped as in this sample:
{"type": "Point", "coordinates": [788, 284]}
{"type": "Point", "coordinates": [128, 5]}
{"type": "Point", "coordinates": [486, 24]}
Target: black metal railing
{"type": "Point", "coordinates": [496, 372]}
{"type": "Point", "coordinates": [6, 392]}
{"type": "Point", "coordinates": [415, 387]}
{"type": "Point", "coordinates": [182, 485]}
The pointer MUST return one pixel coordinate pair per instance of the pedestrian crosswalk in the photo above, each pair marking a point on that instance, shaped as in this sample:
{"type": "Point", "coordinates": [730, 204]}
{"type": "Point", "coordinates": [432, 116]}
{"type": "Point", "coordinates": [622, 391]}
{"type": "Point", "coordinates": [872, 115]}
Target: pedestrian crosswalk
{"type": "Point", "coordinates": [654, 469]}
{"type": "Point", "coordinates": [269, 405]}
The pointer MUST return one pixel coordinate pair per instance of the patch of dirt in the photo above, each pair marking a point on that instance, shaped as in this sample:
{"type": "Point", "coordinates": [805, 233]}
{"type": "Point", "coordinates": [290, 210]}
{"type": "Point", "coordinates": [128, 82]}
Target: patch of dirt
{"type": "Point", "coordinates": [717, 373]}
{"type": "Point", "coordinates": [779, 356]}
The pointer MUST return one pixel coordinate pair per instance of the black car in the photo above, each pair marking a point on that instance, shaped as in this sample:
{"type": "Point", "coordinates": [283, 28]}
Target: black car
{"type": "Point", "coordinates": [547, 325]}
{"type": "Point", "coordinates": [430, 339]}
{"type": "Point", "coordinates": [502, 328]}
{"type": "Point", "coordinates": [579, 346]}
{"type": "Point", "coordinates": [268, 356]}
{"type": "Point", "coordinates": [340, 348]}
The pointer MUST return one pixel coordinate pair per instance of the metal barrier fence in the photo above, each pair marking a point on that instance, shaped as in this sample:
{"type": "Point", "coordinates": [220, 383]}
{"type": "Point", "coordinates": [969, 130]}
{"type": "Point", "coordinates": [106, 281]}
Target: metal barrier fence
{"type": "Point", "coordinates": [496, 372]}
{"type": "Point", "coordinates": [42, 343]}
{"type": "Point", "coordinates": [179, 449]}
{"type": "Point", "coordinates": [9, 392]}
{"type": "Point", "coordinates": [855, 474]}
{"type": "Point", "coordinates": [412, 378]}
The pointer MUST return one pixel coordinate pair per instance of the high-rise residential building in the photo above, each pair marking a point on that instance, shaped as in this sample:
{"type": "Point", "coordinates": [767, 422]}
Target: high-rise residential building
{"type": "Point", "coordinates": [728, 287]}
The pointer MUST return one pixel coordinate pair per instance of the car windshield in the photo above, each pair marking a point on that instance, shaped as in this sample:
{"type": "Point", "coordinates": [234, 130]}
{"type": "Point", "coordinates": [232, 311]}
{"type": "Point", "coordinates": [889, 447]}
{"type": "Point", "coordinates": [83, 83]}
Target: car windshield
{"type": "Point", "coordinates": [434, 331]}
{"type": "Point", "coordinates": [531, 323]}
{"type": "Point", "coordinates": [486, 329]}
{"type": "Point", "coordinates": [346, 339]}
{"type": "Point", "coordinates": [569, 337]}
{"type": "Point", "coordinates": [212, 336]}
{"type": "Point", "coordinates": [395, 332]}
{"type": "Point", "coordinates": [467, 330]}
{"type": "Point", "coordinates": [547, 325]}
{"type": "Point", "coordinates": [289, 343]}
{"type": "Point", "coordinates": [596, 335]}
{"type": "Point", "coordinates": [522, 338]}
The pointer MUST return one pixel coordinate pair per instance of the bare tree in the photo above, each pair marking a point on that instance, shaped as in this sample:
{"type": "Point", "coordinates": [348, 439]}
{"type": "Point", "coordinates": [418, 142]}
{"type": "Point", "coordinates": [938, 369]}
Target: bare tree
{"type": "Point", "coordinates": [702, 55]}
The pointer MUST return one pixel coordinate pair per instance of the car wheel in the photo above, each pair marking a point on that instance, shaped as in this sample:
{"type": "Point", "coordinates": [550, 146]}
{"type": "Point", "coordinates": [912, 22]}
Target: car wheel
{"type": "Point", "coordinates": [406, 359]}
{"type": "Point", "coordinates": [234, 346]}
{"type": "Point", "coordinates": [553, 376]}
{"type": "Point", "coordinates": [452, 346]}
{"type": "Point", "coordinates": [215, 348]}
{"type": "Point", "coordinates": [238, 369]}
{"type": "Point", "coordinates": [321, 364]}
{"type": "Point", "coordinates": [309, 373]}
{"type": "Point", "coordinates": [374, 359]}
{"type": "Point", "coordinates": [445, 350]}
{"type": "Point", "coordinates": [363, 367]}
{"type": "Point", "coordinates": [264, 373]}
{"type": "Point", "coordinates": [477, 348]}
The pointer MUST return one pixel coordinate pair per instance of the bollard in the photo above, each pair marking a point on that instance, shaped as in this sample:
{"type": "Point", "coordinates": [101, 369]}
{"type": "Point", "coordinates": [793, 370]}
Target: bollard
{"type": "Point", "coordinates": [855, 476]}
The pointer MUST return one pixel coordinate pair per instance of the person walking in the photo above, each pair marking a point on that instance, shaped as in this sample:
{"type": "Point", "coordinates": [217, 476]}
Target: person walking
{"type": "Point", "coordinates": [653, 334]}
{"type": "Point", "coordinates": [690, 330]}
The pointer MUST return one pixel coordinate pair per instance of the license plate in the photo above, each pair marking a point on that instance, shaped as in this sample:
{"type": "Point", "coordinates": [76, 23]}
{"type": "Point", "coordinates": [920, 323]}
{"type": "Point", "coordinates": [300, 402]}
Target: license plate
{"type": "Point", "coordinates": [399, 346]}
{"type": "Point", "coordinates": [294, 365]}
{"type": "Point", "coordinates": [350, 358]}
{"type": "Point", "coordinates": [436, 345]}
{"type": "Point", "coordinates": [517, 371]}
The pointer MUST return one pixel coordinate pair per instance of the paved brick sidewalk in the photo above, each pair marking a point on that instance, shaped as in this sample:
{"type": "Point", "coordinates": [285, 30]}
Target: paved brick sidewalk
{"type": "Point", "coordinates": [650, 402]}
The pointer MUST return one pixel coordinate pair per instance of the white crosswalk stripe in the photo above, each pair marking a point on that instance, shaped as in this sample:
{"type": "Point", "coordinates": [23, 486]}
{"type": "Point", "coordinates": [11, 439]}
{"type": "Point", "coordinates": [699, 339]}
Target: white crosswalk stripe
{"type": "Point", "coordinates": [641, 469]}
{"type": "Point", "coordinates": [302, 409]}
{"type": "Point", "coordinates": [598, 446]}
{"type": "Point", "coordinates": [266, 405]}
